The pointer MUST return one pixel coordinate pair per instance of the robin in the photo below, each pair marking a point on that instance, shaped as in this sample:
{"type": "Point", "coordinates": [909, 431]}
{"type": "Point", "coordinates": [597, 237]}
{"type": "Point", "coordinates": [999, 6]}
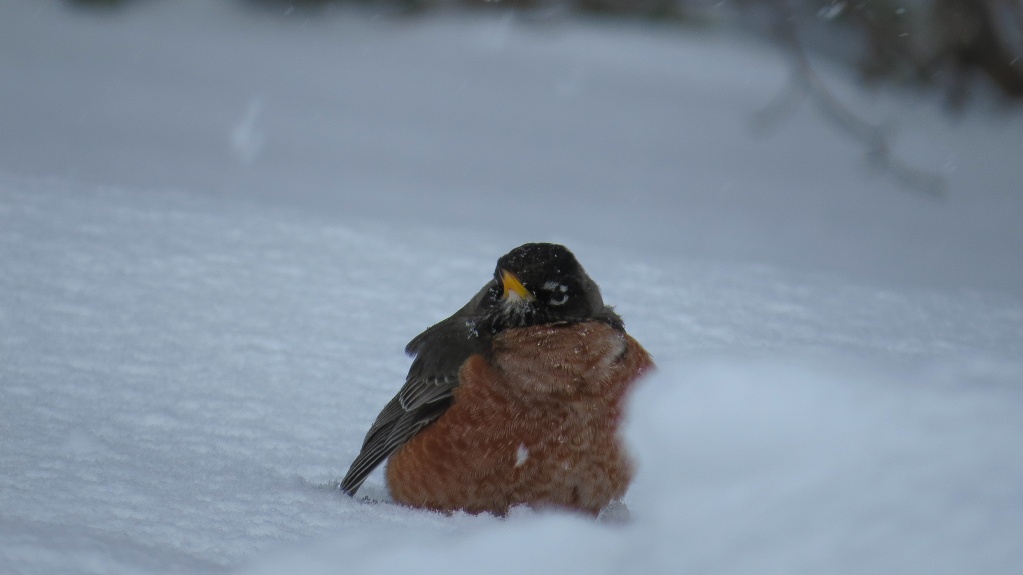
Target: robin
{"type": "Point", "coordinates": [515, 399]}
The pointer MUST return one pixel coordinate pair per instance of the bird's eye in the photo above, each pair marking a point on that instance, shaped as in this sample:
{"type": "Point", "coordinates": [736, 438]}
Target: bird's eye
{"type": "Point", "coordinates": [559, 291]}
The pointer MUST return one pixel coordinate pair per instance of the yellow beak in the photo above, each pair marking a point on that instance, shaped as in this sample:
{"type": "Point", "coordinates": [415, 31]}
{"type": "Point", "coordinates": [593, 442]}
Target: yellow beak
{"type": "Point", "coordinates": [513, 288]}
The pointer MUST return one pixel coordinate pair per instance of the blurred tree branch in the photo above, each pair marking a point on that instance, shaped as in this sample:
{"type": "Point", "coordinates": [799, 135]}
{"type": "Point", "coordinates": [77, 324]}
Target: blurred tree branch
{"type": "Point", "coordinates": [950, 45]}
{"type": "Point", "coordinates": [805, 82]}
{"type": "Point", "coordinates": [925, 41]}
{"type": "Point", "coordinates": [984, 36]}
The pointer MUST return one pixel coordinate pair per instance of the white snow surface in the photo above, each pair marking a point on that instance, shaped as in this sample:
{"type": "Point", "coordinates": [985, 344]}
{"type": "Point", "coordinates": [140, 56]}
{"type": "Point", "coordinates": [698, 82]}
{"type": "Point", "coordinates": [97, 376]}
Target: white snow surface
{"type": "Point", "coordinates": [219, 229]}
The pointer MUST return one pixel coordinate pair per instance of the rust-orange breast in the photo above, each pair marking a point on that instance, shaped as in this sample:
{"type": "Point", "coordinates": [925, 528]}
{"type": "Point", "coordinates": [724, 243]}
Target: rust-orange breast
{"type": "Point", "coordinates": [535, 422]}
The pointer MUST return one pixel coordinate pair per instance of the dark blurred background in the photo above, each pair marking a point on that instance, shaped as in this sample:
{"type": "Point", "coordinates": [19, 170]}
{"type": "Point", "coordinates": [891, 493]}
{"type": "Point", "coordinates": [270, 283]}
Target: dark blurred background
{"type": "Point", "coordinates": [953, 46]}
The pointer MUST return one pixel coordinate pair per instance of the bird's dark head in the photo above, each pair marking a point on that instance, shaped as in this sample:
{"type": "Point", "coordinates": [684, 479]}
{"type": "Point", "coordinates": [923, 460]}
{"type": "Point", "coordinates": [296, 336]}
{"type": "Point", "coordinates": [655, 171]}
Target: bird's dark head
{"type": "Point", "coordinates": [542, 283]}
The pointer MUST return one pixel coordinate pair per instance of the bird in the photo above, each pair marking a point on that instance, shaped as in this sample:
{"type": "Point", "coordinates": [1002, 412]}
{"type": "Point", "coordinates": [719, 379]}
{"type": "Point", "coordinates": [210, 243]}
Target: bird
{"type": "Point", "coordinates": [516, 399]}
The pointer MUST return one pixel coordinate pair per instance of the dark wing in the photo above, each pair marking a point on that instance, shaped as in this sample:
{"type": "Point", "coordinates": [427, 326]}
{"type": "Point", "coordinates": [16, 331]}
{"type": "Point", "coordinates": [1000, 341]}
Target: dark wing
{"type": "Point", "coordinates": [439, 353]}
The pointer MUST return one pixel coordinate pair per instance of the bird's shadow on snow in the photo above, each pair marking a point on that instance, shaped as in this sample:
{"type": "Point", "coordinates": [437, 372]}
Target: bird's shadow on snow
{"type": "Point", "coordinates": [369, 493]}
{"type": "Point", "coordinates": [616, 513]}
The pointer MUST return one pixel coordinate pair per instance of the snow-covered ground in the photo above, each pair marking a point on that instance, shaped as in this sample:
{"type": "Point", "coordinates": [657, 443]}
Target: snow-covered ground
{"type": "Point", "coordinates": [218, 229]}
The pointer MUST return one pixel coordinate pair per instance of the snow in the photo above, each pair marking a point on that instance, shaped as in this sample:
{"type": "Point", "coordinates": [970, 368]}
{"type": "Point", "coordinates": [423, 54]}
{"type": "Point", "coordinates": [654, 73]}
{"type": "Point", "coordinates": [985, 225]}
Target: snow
{"type": "Point", "coordinates": [521, 455]}
{"type": "Point", "coordinates": [218, 229]}
{"type": "Point", "coordinates": [474, 120]}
